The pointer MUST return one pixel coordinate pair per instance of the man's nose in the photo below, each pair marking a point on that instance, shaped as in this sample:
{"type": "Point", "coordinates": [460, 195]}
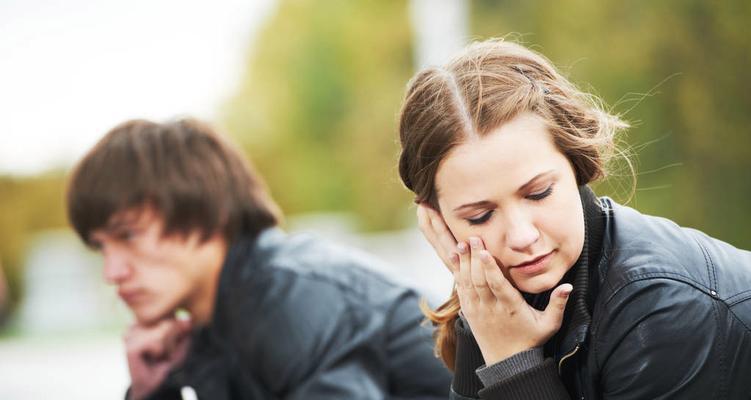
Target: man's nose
{"type": "Point", "coordinates": [521, 233]}
{"type": "Point", "coordinates": [116, 268]}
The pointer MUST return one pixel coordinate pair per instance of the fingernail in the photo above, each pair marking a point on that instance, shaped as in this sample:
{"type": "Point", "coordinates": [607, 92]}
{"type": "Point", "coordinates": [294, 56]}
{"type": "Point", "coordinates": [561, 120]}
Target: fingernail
{"type": "Point", "coordinates": [474, 242]}
{"type": "Point", "coordinates": [461, 247]}
{"type": "Point", "coordinates": [454, 258]}
{"type": "Point", "coordinates": [485, 257]}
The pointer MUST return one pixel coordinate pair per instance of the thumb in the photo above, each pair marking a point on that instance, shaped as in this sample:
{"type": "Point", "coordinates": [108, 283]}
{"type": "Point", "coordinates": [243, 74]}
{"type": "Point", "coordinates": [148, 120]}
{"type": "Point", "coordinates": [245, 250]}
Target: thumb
{"type": "Point", "coordinates": [553, 313]}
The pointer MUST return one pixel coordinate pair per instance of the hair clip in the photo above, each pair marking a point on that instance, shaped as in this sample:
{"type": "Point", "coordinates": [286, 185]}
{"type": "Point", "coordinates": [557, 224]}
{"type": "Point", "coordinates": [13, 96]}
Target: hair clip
{"type": "Point", "coordinates": [531, 81]}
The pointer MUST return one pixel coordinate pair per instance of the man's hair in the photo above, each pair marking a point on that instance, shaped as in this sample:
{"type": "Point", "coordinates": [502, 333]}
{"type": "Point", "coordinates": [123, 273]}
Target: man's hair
{"type": "Point", "coordinates": [183, 170]}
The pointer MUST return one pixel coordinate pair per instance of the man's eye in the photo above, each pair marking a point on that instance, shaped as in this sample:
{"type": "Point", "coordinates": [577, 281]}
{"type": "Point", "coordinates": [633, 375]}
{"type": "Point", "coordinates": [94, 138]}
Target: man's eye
{"type": "Point", "coordinates": [541, 195]}
{"type": "Point", "coordinates": [481, 219]}
{"type": "Point", "coordinates": [125, 235]}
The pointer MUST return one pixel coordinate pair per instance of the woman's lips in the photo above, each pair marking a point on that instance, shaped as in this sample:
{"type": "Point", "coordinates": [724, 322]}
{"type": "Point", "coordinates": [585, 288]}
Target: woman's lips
{"type": "Point", "coordinates": [534, 266]}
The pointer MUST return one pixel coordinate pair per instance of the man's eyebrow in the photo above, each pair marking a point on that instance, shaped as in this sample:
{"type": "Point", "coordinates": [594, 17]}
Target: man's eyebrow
{"type": "Point", "coordinates": [119, 223]}
{"type": "Point", "coordinates": [532, 181]}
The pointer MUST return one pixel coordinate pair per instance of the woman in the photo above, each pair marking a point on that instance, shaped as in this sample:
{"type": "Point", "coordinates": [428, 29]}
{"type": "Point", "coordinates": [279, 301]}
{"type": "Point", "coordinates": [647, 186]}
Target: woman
{"type": "Point", "coordinates": [560, 294]}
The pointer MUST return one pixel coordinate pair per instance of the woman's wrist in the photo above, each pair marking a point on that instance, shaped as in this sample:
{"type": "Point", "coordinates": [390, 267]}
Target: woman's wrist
{"type": "Point", "coordinates": [493, 356]}
{"type": "Point", "coordinates": [490, 374]}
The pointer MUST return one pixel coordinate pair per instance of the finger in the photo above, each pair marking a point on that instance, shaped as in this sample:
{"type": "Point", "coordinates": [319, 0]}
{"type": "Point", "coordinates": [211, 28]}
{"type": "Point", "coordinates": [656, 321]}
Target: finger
{"type": "Point", "coordinates": [426, 227]}
{"type": "Point", "coordinates": [477, 274]}
{"type": "Point", "coordinates": [150, 341]}
{"type": "Point", "coordinates": [437, 233]}
{"type": "Point", "coordinates": [179, 331]}
{"type": "Point", "coordinates": [423, 220]}
{"type": "Point", "coordinates": [465, 288]}
{"type": "Point", "coordinates": [500, 286]}
{"type": "Point", "coordinates": [159, 371]}
{"type": "Point", "coordinates": [442, 232]}
{"type": "Point", "coordinates": [553, 314]}
{"type": "Point", "coordinates": [454, 265]}
{"type": "Point", "coordinates": [180, 351]}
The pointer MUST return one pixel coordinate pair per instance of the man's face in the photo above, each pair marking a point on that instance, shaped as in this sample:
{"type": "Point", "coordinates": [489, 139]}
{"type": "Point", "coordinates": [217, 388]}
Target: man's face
{"type": "Point", "coordinates": [157, 274]}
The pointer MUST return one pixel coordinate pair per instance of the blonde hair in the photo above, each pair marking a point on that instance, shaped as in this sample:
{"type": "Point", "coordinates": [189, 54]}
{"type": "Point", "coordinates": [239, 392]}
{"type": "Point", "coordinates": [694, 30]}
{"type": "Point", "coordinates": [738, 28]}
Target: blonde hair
{"type": "Point", "coordinates": [483, 87]}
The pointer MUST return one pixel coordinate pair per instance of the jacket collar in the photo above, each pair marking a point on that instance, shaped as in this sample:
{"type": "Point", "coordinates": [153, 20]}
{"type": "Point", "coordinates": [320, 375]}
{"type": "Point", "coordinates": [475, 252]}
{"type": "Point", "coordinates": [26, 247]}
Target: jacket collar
{"type": "Point", "coordinates": [244, 259]}
{"type": "Point", "coordinates": [583, 276]}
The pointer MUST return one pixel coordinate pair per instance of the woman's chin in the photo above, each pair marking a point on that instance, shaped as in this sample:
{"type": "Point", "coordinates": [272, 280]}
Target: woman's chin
{"type": "Point", "coordinates": [536, 285]}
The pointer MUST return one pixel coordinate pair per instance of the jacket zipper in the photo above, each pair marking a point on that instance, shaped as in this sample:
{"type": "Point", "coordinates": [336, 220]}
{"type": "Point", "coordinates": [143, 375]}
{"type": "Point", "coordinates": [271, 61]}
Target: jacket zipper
{"type": "Point", "coordinates": [569, 355]}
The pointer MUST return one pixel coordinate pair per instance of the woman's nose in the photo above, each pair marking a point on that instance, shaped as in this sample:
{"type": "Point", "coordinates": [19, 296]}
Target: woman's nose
{"type": "Point", "coordinates": [521, 233]}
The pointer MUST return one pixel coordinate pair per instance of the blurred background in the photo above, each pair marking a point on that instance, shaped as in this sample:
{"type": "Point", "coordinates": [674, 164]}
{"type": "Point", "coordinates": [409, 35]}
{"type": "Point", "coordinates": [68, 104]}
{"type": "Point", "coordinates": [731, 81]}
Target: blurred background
{"type": "Point", "coordinates": [311, 91]}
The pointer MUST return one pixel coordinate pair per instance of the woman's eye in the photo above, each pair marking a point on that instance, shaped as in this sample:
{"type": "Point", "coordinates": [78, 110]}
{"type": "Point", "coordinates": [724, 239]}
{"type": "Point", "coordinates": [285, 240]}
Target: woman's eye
{"type": "Point", "coordinates": [541, 195]}
{"type": "Point", "coordinates": [481, 219]}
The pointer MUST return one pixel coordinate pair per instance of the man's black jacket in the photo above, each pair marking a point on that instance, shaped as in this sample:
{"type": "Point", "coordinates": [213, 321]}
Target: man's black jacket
{"type": "Point", "coordinates": [657, 312]}
{"type": "Point", "coordinates": [298, 318]}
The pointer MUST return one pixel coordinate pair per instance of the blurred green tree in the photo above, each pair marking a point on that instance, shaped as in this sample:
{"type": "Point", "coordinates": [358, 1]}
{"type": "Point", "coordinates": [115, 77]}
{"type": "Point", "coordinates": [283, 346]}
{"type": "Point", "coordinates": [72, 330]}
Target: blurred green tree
{"type": "Point", "coordinates": [317, 108]}
{"type": "Point", "coordinates": [27, 205]}
{"type": "Point", "coordinates": [676, 69]}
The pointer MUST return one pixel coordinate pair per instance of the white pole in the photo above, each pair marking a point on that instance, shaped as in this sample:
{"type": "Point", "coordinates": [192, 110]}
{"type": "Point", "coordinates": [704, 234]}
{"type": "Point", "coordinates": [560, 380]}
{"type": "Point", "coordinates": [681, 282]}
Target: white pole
{"type": "Point", "coordinates": [440, 28]}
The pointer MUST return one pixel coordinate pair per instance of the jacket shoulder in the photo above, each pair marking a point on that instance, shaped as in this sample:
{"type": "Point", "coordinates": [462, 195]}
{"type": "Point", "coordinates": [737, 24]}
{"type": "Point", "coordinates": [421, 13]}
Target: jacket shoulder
{"type": "Point", "coordinates": [303, 304]}
{"type": "Point", "coordinates": [643, 327]}
{"type": "Point", "coordinates": [639, 247]}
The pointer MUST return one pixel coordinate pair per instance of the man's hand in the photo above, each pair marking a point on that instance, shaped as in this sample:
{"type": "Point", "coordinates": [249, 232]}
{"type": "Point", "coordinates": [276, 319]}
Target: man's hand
{"type": "Point", "coordinates": [152, 351]}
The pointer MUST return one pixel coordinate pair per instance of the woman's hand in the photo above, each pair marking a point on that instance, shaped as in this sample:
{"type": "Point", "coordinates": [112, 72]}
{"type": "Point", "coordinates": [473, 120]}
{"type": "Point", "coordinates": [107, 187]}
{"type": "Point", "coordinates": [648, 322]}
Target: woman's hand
{"type": "Point", "coordinates": [438, 234]}
{"type": "Point", "coordinates": [502, 322]}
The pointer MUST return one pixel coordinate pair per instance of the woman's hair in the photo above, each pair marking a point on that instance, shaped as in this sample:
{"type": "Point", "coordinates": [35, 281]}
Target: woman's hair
{"type": "Point", "coordinates": [483, 87]}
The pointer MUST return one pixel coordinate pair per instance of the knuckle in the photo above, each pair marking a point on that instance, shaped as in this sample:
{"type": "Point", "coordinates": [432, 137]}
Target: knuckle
{"type": "Point", "coordinates": [496, 286]}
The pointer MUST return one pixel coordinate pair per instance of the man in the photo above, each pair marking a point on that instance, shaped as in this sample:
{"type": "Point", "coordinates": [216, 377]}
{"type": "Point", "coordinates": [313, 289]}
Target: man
{"type": "Point", "coordinates": [183, 223]}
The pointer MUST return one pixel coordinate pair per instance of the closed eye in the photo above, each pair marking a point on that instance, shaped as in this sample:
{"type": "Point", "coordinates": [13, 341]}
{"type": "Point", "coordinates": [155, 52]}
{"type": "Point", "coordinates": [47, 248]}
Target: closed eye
{"type": "Point", "coordinates": [124, 235]}
{"type": "Point", "coordinates": [540, 195]}
{"type": "Point", "coordinates": [481, 219]}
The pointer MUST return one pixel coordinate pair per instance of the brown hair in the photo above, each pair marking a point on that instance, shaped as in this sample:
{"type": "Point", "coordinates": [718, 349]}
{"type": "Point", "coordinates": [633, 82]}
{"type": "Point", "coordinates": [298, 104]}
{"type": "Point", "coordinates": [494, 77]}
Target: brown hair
{"type": "Point", "coordinates": [486, 85]}
{"type": "Point", "coordinates": [183, 169]}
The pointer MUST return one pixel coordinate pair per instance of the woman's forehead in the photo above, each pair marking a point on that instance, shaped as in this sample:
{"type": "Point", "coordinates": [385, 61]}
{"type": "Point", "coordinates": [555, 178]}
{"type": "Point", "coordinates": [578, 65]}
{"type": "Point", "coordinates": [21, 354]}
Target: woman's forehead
{"type": "Point", "coordinates": [509, 156]}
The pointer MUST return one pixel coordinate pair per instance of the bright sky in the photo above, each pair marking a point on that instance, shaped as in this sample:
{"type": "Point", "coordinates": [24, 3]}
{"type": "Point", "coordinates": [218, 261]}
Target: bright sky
{"type": "Point", "coordinates": [72, 69]}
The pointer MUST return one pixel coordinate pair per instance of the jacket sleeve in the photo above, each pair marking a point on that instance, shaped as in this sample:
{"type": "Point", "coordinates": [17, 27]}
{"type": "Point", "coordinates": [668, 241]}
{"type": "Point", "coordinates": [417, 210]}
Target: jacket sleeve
{"type": "Point", "coordinates": [659, 339]}
{"type": "Point", "coordinates": [317, 340]}
{"type": "Point", "coordinates": [539, 382]}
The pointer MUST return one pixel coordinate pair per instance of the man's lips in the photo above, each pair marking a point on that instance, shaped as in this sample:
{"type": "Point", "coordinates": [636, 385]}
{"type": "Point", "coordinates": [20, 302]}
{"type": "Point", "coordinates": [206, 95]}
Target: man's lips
{"type": "Point", "coordinates": [534, 261]}
{"type": "Point", "coordinates": [129, 295]}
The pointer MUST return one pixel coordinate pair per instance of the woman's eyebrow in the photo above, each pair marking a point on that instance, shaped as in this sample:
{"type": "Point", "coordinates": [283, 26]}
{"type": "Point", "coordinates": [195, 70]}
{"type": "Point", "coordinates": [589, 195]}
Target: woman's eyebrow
{"type": "Point", "coordinates": [480, 203]}
{"type": "Point", "coordinates": [532, 181]}
{"type": "Point", "coordinates": [524, 187]}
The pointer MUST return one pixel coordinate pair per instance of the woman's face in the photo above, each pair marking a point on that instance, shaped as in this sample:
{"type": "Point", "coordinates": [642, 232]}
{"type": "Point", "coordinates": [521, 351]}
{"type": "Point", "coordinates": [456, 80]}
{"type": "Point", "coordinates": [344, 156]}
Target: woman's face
{"type": "Point", "coordinates": [518, 193]}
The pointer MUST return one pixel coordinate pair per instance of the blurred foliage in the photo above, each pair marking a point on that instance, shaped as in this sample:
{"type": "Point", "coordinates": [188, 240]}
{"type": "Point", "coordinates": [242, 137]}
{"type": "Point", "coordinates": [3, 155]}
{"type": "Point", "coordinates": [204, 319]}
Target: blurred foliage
{"type": "Point", "coordinates": [318, 106]}
{"type": "Point", "coordinates": [677, 70]}
{"type": "Point", "coordinates": [27, 206]}
{"type": "Point", "coordinates": [317, 109]}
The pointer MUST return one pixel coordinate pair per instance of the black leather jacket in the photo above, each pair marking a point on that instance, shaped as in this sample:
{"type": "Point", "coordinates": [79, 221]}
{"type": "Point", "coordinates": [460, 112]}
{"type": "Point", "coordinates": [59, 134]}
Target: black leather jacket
{"type": "Point", "coordinates": [298, 318]}
{"type": "Point", "coordinates": [658, 312]}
